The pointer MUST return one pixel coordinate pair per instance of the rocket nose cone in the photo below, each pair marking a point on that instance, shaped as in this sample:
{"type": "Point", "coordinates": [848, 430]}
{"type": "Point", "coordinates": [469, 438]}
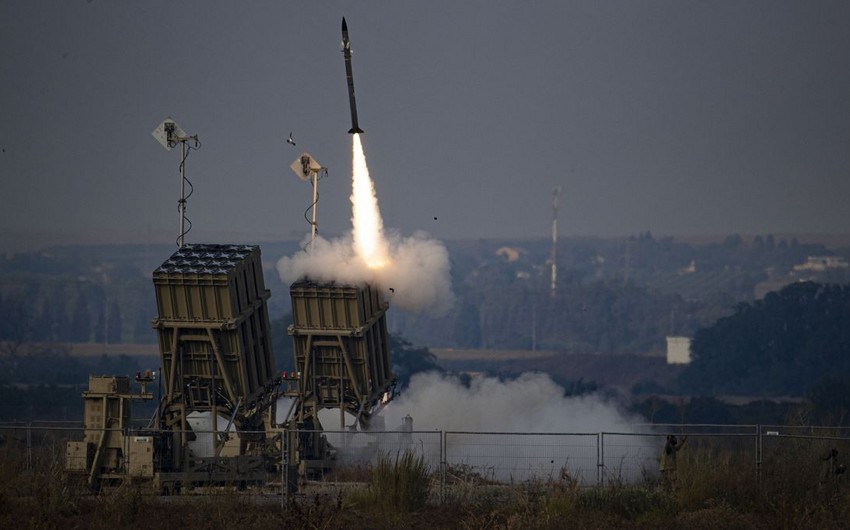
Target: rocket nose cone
{"type": "Point", "coordinates": [344, 25]}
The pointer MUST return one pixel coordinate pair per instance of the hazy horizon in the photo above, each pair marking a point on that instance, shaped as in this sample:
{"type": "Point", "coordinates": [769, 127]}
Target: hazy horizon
{"type": "Point", "coordinates": [12, 244]}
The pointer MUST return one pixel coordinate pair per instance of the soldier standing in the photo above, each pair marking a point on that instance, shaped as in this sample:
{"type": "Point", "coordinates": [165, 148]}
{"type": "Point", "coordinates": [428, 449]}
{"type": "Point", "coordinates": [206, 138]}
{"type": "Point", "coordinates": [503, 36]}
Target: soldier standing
{"type": "Point", "coordinates": [668, 460]}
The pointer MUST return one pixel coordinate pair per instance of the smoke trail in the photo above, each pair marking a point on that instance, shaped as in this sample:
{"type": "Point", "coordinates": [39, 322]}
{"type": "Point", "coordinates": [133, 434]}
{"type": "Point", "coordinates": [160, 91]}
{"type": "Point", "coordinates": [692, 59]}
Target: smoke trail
{"type": "Point", "coordinates": [412, 272]}
{"type": "Point", "coordinates": [368, 227]}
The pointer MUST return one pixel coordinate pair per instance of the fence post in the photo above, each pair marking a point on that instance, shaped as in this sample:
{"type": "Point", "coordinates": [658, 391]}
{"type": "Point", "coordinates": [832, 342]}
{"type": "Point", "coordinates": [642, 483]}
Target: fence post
{"type": "Point", "coordinates": [125, 443]}
{"type": "Point", "coordinates": [758, 453]}
{"type": "Point", "coordinates": [29, 446]}
{"type": "Point", "coordinates": [284, 468]}
{"type": "Point", "coordinates": [600, 459]}
{"type": "Point", "coordinates": [443, 467]}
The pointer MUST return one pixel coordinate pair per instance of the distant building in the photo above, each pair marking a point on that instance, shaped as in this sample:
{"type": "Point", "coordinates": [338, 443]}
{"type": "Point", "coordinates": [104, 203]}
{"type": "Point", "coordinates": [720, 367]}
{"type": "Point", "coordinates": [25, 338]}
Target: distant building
{"type": "Point", "coordinates": [690, 269]}
{"type": "Point", "coordinates": [822, 269]}
{"type": "Point", "coordinates": [678, 350]}
{"type": "Point", "coordinates": [510, 254]}
{"type": "Point", "coordinates": [822, 263]}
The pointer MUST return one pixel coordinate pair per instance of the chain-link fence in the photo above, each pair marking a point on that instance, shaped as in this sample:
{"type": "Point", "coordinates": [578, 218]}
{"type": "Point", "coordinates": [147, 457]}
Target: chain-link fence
{"type": "Point", "coordinates": [361, 449]}
{"type": "Point", "coordinates": [825, 451]}
{"type": "Point", "coordinates": [453, 458]}
{"type": "Point", "coordinates": [628, 457]}
{"type": "Point", "coordinates": [504, 457]}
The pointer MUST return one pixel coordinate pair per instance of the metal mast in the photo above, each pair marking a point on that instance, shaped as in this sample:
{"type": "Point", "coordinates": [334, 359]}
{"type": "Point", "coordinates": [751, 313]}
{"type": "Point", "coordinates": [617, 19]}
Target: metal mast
{"type": "Point", "coordinates": [556, 193]}
{"type": "Point", "coordinates": [169, 134]}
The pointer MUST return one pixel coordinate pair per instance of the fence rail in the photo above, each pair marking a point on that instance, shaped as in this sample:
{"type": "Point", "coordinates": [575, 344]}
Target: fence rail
{"type": "Point", "coordinates": [458, 458]}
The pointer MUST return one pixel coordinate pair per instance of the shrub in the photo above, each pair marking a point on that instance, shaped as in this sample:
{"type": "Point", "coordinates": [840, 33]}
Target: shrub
{"type": "Point", "coordinates": [398, 484]}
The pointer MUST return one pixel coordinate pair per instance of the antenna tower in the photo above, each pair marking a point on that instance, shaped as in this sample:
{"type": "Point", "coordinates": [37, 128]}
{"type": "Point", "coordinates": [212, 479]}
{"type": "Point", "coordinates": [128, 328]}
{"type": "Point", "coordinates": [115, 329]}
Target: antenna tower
{"type": "Point", "coordinates": [556, 195]}
{"type": "Point", "coordinates": [308, 169]}
{"type": "Point", "coordinates": [169, 134]}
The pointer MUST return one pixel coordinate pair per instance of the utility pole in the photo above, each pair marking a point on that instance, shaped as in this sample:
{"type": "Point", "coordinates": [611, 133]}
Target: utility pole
{"type": "Point", "coordinates": [556, 195]}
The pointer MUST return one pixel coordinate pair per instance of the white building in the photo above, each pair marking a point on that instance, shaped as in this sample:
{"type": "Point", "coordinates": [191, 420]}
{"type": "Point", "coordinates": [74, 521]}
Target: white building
{"type": "Point", "coordinates": [678, 350]}
{"type": "Point", "coordinates": [822, 263]}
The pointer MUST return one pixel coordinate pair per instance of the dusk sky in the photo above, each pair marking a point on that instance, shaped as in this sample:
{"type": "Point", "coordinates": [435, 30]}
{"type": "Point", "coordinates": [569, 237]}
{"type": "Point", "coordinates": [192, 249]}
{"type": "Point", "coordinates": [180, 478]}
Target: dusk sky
{"type": "Point", "coordinates": [678, 117]}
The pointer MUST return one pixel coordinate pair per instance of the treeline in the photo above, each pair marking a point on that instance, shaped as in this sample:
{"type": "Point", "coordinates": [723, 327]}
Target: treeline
{"type": "Point", "coordinates": [784, 344]}
{"type": "Point", "coordinates": [601, 316]}
{"type": "Point", "coordinates": [77, 311]}
{"type": "Point", "coordinates": [44, 299]}
{"type": "Point", "coordinates": [611, 296]}
{"type": "Point", "coordinates": [101, 294]}
{"type": "Point", "coordinates": [54, 365]}
{"type": "Point", "coordinates": [710, 410]}
{"type": "Point", "coordinates": [45, 383]}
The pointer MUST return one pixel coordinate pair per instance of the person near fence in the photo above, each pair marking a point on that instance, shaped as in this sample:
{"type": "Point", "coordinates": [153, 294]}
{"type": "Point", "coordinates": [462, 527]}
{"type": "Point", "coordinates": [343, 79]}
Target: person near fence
{"type": "Point", "coordinates": [832, 470]}
{"type": "Point", "coordinates": [668, 459]}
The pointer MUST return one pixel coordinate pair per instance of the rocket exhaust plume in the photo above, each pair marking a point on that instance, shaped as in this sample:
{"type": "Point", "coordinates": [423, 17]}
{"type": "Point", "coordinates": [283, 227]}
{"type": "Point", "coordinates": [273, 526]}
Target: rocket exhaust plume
{"type": "Point", "coordinates": [369, 241]}
{"type": "Point", "coordinates": [413, 272]}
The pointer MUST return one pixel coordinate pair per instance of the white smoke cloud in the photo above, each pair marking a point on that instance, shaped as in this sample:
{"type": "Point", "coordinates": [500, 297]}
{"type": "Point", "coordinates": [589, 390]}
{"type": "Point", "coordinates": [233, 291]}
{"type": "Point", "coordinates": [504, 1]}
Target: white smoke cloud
{"type": "Point", "coordinates": [325, 261]}
{"type": "Point", "coordinates": [523, 428]}
{"type": "Point", "coordinates": [416, 279]}
{"type": "Point", "coordinates": [413, 273]}
{"type": "Point", "coordinates": [530, 403]}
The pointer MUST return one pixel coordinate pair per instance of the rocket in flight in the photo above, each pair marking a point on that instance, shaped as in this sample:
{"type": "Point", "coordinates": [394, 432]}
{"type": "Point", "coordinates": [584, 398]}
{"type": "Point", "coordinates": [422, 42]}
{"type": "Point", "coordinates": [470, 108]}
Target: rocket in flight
{"type": "Point", "coordinates": [349, 77]}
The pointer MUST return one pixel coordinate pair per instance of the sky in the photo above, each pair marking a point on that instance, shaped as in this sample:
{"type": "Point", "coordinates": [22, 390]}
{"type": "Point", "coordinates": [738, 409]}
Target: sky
{"type": "Point", "coordinates": [677, 117]}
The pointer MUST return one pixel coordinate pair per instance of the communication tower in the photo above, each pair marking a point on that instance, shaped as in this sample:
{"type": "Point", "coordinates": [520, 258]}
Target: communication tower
{"type": "Point", "coordinates": [169, 134]}
{"type": "Point", "coordinates": [556, 194]}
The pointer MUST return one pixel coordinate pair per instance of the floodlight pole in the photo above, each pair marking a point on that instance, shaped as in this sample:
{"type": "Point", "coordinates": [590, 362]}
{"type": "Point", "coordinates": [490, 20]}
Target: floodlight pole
{"type": "Point", "coordinates": [313, 227]}
{"type": "Point", "coordinates": [556, 193]}
{"type": "Point", "coordinates": [181, 204]}
{"type": "Point", "coordinates": [169, 134]}
{"type": "Point", "coordinates": [307, 169]}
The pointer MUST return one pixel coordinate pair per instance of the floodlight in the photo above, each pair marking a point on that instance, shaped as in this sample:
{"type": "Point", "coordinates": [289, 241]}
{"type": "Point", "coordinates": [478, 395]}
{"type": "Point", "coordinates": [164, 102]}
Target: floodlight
{"type": "Point", "coordinates": [305, 166]}
{"type": "Point", "coordinates": [168, 133]}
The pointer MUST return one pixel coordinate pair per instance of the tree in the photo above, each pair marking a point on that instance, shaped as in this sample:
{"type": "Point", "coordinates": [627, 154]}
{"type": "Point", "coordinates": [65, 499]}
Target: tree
{"type": "Point", "coordinates": [830, 398]}
{"type": "Point", "coordinates": [467, 326]}
{"type": "Point", "coordinates": [779, 345]}
{"type": "Point", "coordinates": [114, 323]}
{"type": "Point", "coordinates": [732, 242]}
{"type": "Point", "coordinates": [81, 324]}
{"type": "Point", "coordinates": [408, 360]}
{"type": "Point", "coordinates": [143, 333]}
{"type": "Point", "coordinates": [17, 322]}
{"type": "Point", "coordinates": [769, 242]}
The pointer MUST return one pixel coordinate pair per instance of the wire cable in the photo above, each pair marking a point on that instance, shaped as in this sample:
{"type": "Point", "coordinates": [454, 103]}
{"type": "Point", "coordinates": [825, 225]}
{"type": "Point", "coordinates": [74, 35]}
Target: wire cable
{"type": "Point", "coordinates": [181, 203]}
{"type": "Point", "coordinates": [322, 174]}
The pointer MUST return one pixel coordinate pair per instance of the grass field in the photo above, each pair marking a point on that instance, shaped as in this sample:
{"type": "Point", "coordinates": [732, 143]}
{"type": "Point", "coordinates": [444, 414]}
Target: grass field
{"type": "Point", "coordinates": [712, 490]}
